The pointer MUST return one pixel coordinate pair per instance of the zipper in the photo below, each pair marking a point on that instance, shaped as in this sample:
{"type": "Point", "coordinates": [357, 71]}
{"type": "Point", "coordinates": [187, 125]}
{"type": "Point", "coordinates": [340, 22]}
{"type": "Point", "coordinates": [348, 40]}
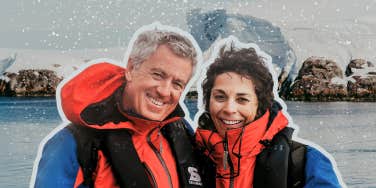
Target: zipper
{"type": "Point", "coordinates": [227, 161]}
{"type": "Point", "coordinates": [148, 171]}
{"type": "Point", "coordinates": [157, 153]}
{"type": "Point", "coordinates": [231, 180]}
{"type": "Point", "coordinates": [225, 152]}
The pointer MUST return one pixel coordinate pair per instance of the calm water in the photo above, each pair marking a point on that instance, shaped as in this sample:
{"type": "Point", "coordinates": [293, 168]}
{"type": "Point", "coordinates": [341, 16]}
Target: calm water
{"type": "Point", "coordinates": [346, 130]}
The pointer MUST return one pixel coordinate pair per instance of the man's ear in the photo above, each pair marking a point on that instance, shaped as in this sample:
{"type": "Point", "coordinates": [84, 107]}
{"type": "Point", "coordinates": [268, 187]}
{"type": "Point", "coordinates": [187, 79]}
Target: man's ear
{"type": "Point", "coordinates": [128, 71]}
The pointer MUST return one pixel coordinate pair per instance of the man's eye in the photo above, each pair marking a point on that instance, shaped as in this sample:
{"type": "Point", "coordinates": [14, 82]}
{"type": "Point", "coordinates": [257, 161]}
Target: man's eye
{"type": "Point", "coordinates": [178, 85]}
{"type": "Point", "coordinates": [157, 75]}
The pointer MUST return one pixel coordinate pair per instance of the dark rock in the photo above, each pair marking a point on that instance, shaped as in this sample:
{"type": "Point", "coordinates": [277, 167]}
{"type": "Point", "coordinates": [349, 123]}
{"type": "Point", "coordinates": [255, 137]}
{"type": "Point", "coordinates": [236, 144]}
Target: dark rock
{"type": "Point", "coordinates": [191, 95]}
{"type": "Point", "coordinates": [314, 81]}
{"type": "Point", "coordinates": [7, 80]}
{"type": "Point", "coordinates": [3, 86]}
{"type": "Point", "coordinates": [30, 83]}
{"type": "Point", "coordinates": [362, 85]}
{"type": "Point", "coordinates": [357, 64]}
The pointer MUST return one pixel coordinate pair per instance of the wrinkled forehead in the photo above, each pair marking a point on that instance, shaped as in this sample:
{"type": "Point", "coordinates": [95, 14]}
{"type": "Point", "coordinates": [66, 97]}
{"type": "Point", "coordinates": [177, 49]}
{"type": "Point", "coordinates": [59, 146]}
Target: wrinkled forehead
{"type": "Point", "coordinates": [178, 63]}
{"type": "Point", "coordinates": [178, 71]}
{"type": "Point", "coordinates": [178, 67]}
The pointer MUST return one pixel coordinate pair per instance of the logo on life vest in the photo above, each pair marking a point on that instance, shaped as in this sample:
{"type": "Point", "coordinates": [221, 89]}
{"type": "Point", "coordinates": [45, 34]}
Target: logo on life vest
{"type": "Point", "coordinates": [194, 178]}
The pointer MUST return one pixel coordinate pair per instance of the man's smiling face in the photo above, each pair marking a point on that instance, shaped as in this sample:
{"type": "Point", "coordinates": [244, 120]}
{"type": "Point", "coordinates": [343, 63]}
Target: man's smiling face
{"type": "Point", "coordinates": [154, 87]}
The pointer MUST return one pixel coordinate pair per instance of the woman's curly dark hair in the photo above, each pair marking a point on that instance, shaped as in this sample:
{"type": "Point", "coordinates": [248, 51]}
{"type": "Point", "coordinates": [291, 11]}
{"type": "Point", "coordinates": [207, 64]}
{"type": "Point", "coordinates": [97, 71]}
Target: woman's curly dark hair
{"type": "Point", "coordinates": [248, 64]}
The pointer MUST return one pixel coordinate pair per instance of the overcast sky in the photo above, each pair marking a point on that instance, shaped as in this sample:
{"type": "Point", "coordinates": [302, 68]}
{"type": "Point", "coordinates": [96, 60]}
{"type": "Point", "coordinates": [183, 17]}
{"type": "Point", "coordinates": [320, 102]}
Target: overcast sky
{"type": "Point", "coordinates": [337, 29]}
{"type": "Point", "coordinates": [77, 24]}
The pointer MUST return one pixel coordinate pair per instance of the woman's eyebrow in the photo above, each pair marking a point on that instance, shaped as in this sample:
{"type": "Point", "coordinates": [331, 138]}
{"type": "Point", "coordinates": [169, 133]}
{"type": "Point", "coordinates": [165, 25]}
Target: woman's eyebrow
{"type": "Point", "coordinates": [243, 94]}
{"type": "Point", "coordinates": [218, 90]}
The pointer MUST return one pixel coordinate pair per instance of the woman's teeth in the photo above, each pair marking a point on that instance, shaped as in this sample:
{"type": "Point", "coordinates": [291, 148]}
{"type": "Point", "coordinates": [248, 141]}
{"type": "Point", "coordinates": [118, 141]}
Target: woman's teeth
{"type": "Point", "coordinates": [231, 122]}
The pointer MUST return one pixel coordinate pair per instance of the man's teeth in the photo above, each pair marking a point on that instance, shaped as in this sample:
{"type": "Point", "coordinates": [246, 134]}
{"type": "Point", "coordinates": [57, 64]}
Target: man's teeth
{"type": "Point", "coordinates": [156, 102]}
{"type": "Point", "coordinates": [231, 122]}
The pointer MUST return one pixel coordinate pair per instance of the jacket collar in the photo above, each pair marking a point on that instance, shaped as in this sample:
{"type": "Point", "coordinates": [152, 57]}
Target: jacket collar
{"type": "Point", "coordinates": [91, 99]}
{"type": "Point", "coordinates": [107, 114]}
{"type": "Point", "coordinates": [243, 141]}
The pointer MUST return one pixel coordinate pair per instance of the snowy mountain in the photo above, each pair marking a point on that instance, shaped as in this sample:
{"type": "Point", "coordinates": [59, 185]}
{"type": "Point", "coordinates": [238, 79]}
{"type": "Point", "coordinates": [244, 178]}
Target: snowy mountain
{"type": "Point", "coordinates": [207, 27]}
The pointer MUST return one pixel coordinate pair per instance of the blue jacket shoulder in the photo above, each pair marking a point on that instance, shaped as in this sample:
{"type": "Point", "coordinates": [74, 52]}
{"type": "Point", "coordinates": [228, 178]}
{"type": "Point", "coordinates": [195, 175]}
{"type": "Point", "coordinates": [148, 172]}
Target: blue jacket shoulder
{"type": "Point", "coordinates": [58, 165]}
{"type": "Point", "coordinates": [319, 171]}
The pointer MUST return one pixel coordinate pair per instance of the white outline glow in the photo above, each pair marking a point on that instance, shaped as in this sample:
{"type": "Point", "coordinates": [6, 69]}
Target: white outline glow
{"type": "Point", "coordinates": [151, 27]}
{"type": "Point", "coordinates": [268, 61]}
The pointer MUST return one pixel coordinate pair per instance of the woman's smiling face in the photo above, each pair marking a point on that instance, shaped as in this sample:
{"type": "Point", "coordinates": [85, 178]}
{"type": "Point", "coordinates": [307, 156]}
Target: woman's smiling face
{"type": "Point", "coordinates": [233, 102]}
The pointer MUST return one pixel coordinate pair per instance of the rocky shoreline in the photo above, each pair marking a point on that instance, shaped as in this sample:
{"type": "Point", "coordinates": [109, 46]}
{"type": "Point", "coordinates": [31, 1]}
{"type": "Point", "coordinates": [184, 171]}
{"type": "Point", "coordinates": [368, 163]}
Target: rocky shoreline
{"type": "Point", "coordinates": [319, 79]}
{"type": "Point", "coordinates": [29, 83]}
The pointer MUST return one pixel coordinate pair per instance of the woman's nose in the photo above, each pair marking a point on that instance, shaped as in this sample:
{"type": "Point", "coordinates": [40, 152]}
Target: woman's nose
{"type": "Point", "coordinates": [230, 107]}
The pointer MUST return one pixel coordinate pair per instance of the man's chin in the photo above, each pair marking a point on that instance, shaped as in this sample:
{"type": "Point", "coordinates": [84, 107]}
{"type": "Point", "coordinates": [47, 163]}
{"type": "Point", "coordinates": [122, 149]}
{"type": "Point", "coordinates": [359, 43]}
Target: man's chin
{"type": "Point", "coordinates": [154, 116]}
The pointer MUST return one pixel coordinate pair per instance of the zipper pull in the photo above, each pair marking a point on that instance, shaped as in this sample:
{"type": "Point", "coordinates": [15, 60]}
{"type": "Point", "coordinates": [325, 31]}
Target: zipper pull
{"type": "Point", "coordinates": [160, 141]}
{"type": "Point", "coordinates": [225, 152]}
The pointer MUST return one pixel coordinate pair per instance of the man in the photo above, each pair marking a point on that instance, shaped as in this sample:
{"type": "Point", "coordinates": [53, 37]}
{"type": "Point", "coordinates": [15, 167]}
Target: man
{"type": "Point", "coordinates": [127, 126]}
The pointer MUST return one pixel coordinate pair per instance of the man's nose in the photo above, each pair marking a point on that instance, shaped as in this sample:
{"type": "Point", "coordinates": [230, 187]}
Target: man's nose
{"type": "Point", "coordinates": [164, 89]}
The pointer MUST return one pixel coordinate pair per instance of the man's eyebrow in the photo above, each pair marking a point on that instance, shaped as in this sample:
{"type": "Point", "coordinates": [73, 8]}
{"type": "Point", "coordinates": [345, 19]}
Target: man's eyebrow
{"type": "Point", "coordinates": [159, 70]}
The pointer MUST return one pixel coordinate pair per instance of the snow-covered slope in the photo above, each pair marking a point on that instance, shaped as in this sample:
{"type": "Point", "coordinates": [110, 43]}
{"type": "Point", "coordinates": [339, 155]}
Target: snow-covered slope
{"type": "Point", "coordinates": [62, 62]}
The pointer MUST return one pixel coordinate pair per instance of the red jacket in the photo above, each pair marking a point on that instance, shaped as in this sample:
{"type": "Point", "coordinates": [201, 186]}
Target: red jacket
{"type": "Point", "coordinates": [97, 83]}
{"type": "Point", "coordinates": [240, 142]}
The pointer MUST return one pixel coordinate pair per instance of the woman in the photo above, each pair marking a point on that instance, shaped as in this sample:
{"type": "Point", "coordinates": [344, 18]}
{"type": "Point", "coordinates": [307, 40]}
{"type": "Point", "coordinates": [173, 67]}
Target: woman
{"type": "Point", "coordinates": [244, 133]}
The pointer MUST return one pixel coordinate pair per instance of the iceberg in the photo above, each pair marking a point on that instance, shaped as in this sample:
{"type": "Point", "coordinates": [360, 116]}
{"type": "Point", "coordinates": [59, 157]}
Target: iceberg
{"type": "Point", "coordinates": [6, 63]}
{"type": "Point", "coordinates": [208, 27]}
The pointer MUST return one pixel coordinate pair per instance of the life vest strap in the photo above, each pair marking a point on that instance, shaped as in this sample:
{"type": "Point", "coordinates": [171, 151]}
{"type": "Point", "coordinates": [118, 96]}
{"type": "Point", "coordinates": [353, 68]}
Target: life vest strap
{"type": "Point", "coordinates": [281, 163]}
{"type": "Point", "coordinates": [118, 148]}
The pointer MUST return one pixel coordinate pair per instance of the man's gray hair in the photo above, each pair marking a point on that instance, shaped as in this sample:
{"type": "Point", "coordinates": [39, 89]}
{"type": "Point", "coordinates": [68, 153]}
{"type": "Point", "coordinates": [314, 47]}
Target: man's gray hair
{"type": "Point", "coordinates": [147, 43]}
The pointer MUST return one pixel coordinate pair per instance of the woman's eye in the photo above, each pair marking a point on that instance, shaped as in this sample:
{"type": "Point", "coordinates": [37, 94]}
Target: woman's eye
{"type": "Point", "coordinates": [243, 100]}
{"type": "Point", "coordinates": [219, 97]}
